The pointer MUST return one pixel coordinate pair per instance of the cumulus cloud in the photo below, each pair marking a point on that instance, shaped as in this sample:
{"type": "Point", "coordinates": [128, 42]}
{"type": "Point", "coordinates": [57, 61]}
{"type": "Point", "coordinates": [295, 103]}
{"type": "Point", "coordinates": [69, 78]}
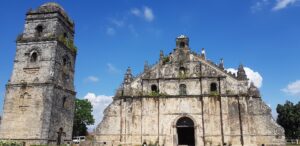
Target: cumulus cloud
{"type": "Point", "coordinates": [253, 76]}
{"type": "Point", "coordinates": [145, 13]}
{"type": "Point", "coordinates": [292, 88]}
{"type": "Point", "coordinates": [112, 69]}
{"type": "Point", "coordinates": [99, 103]}
{"type": "Point", "coordinates": [281, 4]}
{"type": "Point", "coordinates": [92, 79]}
{"type": "Point", "coordinates": [148, 14]}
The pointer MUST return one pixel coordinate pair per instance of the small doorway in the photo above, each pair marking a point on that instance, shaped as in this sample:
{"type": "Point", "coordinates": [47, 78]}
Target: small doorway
{"type": "Point", "coordinates": [185, 131]}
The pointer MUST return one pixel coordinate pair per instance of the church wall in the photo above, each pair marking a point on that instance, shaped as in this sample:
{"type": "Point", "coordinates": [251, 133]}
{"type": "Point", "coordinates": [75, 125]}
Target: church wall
{"type": "Point", "coordinates": [162, 113]}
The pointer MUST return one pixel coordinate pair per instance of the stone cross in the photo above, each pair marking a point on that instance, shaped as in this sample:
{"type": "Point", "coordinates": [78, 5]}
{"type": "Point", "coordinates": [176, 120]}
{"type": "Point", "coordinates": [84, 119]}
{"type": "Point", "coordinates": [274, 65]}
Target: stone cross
{"type": "Point", "coordinates": [60, 133]}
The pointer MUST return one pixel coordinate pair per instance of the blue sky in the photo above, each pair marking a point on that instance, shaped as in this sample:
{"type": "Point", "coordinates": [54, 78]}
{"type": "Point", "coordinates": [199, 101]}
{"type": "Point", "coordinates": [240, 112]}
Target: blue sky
{"type": "Point", "coordinates": [111, 35]}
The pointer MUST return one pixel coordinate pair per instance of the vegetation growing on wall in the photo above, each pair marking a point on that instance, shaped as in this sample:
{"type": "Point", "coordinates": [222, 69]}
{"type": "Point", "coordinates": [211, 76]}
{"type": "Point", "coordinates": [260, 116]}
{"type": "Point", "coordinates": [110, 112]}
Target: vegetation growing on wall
{"type": "Point", "coordinates": [68, 42]}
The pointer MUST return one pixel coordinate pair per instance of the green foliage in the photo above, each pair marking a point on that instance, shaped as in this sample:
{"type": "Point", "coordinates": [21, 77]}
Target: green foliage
{"type": "Point", "coordinates": [165, 60]}
{"type": "Point", "coordinates": [9, 143]}
{"type": "Point", "coordinates": [289, 119]}
{"type": "Point", "coordinates": [83, 117]}
{"type": "Point", "coordinates": [153, 93]}
{"type": "Point", "coordinates": [182, 75]}
{"type": "Point", "coordinates": [68, 42]}
{"type": "Point", "coordinates": [214, 93]}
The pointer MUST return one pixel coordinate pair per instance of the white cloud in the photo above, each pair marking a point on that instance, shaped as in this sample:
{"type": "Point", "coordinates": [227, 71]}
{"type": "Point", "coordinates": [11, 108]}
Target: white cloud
{"type": "Point", "coordinates": [112, 69]}
{"type": "Point", "coordinates": [148, 14]}
{"type": "Point", "coordinates": [145, 13]}
{"type": "Point", "coordinates": [281, 4]}
{"type": "Point", "coordinates": [253, 76]}
{"type": "Point", "coordinates": [92, 79]}
{"type": "Point", "coordinates": [110, 31]}
{"type": "Point", "coordinates": [259, 5]}
{"type": "Point", "coordinates": [99, 103]}
{"type": "Point", "coordinates": [136, 12]}
{"type": "Point", "coordinates": [293, 88]}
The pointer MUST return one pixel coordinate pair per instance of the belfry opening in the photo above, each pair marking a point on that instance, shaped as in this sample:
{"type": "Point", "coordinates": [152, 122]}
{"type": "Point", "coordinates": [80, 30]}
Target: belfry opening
{"type": "Point", "coordinates": [185, 131]}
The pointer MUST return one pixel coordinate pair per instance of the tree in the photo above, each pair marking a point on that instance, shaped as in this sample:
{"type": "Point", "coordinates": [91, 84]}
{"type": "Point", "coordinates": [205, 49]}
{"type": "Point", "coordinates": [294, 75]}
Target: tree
{"type": "Point", "coordinates": [289, 119]}
{"type": "Point", "coordinates": [83, 117]}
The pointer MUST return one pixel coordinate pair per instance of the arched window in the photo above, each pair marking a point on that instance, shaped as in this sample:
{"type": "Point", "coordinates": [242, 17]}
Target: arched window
{"type": "Point", "coordinates": [66, 60]}
{"type": "Point", "coordinates": [154, 88]}
{"type": "Point", "coordinates": [182, 45]}
{"type": "Point", "coordinates": [33, 57]}
{"type": "Point", "coordinates": [66, 35]}
{"type": "Point", "coordinates": [64, 102]}
{"type": "Point", "coordinates": [213, 87]}
{"type": "Point", "coordinates": [182, 89]}
{"type": "Point", "coordinates": [181, 70]}
{"type": "Point", "coordinates": [39, 30]}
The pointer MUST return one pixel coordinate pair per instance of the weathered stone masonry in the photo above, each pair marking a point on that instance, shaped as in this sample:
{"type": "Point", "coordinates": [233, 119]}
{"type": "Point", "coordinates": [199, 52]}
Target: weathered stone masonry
{"type": "Point", "coordinates": [39, 100]}
{"type": "Point", "coordinates": [186, 99]}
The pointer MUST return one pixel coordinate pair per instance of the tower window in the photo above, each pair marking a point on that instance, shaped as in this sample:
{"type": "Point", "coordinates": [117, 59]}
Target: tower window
{"type": "Point", "coordinates": [33, 57]}
{"type": "Point", "coordinates": [65, 35]}
{"type": "Point", "coordinates": [65, 60]}
{"type": "Point", "coordinates": [64, 102]}
{"type": "Point", "coordinates": [39, 30]}
{"type": "Point", "coordinates": [213, 87]}
{"type": "Point", "coordinates": [182, 89]}
{"type": "Point", "coordinates": [182, 45]}
{"type": "Point", "coordinates": [154, 88]}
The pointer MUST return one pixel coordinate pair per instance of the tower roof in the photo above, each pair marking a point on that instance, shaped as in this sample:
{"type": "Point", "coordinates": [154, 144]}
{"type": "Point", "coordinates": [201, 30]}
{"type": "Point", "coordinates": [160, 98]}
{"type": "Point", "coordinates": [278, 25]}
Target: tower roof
{"type": "Point", "coordinates": [51, 7]}
{"type": "Point", "coordinates": [182, 36]}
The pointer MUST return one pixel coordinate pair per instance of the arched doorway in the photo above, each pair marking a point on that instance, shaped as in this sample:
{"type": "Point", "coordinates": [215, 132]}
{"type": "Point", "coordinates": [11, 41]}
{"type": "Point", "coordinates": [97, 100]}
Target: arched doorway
{"type": "Point", "coordinates": [185, 131]}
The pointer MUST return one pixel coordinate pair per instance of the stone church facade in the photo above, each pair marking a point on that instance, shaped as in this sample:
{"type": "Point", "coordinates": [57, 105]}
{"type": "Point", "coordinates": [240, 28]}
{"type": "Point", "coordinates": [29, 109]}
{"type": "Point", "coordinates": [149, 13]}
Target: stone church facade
{"type": "Point", "coordinates": [185, 99]}
{"type": "Point", "coordinates": [39, 100]}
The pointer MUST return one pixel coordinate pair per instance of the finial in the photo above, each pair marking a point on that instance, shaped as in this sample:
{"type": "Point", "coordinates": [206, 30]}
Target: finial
{"type": "Point", "coordinates": [241, 74]}
{"type": "Point", "coordinates": [161, 55]}
{"type": "Point", "coordinates": [128, 76]}
{"type": "Point", "coordinates": [203, 53]}
{"type": "Point", "coordinates": [221, 65]}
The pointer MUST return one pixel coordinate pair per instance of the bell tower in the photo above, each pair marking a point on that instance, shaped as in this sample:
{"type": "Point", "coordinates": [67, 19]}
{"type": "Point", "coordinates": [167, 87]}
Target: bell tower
{"type": "Point", "coordinates": [39, 100]}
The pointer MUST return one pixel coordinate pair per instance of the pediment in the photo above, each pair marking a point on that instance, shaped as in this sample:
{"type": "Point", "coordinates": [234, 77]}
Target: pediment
{"type": "Point", "coordinates": [185, 65]}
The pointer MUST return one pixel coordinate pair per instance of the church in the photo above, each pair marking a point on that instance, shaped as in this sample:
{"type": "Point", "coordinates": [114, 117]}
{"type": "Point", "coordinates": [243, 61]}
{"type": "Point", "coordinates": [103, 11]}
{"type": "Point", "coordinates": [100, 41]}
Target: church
{"type": "Point", "coordinates": [187, 100]}
{"type": "Point", "coordinates": [183, 100]}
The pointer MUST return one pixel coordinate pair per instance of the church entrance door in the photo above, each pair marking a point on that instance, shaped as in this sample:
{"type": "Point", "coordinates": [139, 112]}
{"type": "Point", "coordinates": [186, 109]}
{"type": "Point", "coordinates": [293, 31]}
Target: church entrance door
{"type": "Point", "coordinates": [185, 132]}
